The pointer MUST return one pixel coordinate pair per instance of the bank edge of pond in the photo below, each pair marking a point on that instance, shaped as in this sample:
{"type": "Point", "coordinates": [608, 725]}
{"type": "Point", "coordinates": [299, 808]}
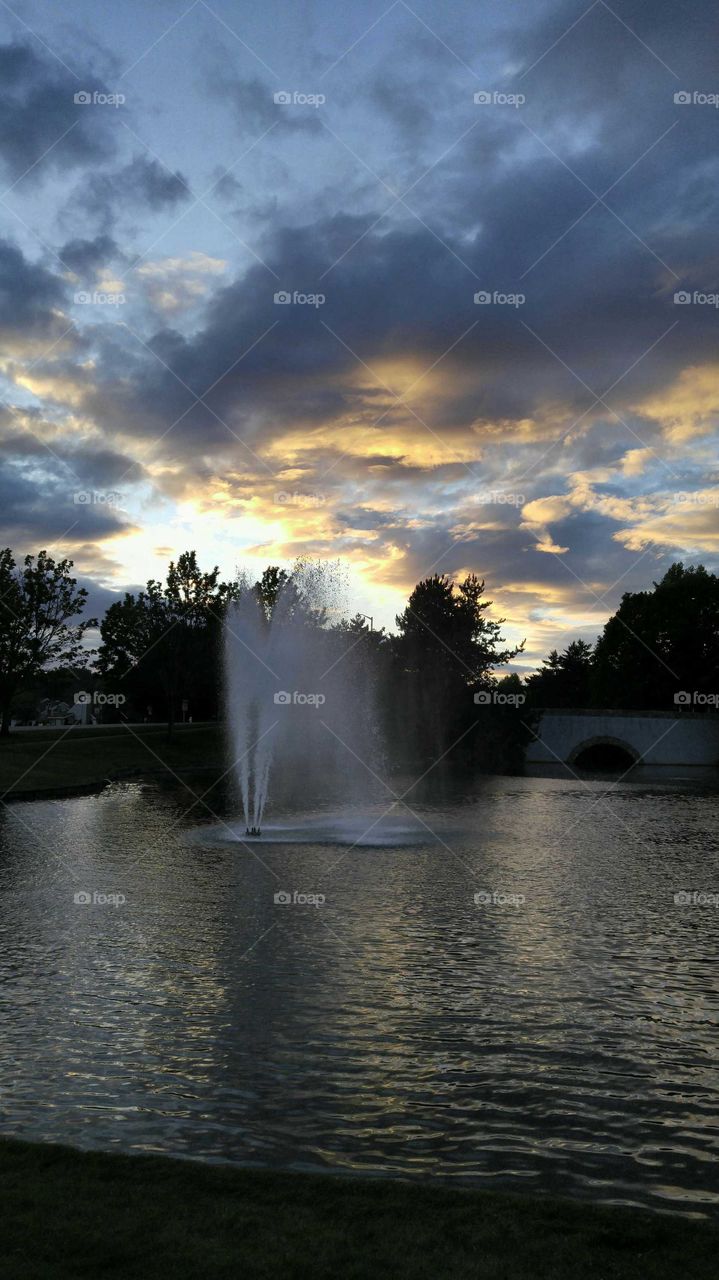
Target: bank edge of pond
{"type": "Point", "coordinates": [50, 766]}
{"type": "Point", "coordinates": [70, 1214]}
{"type": "Point", "coordinates": [96, 788]}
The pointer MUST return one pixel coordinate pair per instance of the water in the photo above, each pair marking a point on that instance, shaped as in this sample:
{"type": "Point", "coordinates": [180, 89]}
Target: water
{"type": "Point", "coordinates": [559, 1038]}
{"type": "Point", "coordinates": [299, 696]}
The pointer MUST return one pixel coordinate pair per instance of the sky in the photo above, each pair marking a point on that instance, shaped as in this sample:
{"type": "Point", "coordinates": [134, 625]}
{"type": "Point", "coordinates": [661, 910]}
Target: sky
{"type": "Point", "coordinates": [431, 288]}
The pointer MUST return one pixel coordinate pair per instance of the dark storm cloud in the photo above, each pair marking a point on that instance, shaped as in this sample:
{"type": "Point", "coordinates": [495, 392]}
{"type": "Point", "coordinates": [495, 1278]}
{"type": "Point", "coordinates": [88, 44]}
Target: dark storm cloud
{"type": "Point", "coordinates": [396, 290]}
{"type": "Point", "coordinates": [37, 107]}
{"type": "Point", "coordinates": [494, 208]}
{"type": "Point", "coordinates": [100, 598]}
{"type": "Point", "coordinates": [363, 518]}
{"type": "Point", "coordinates": [85, 257]}
{"type": "Point", "coordinates": [31, 444]}
{"type": "Point", "coordinates": [37, 511]}
{"type": "Point", "coordinates": [30, 297]}
{"type": "Point", "coordinates": [143, 183]}
{"type": "Point", "coordinates": [599, 307]}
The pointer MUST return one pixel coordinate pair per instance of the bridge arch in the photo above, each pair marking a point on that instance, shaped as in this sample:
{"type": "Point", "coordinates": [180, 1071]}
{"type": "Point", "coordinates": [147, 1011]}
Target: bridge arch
{"type": "Point", "coordinates": [604, 752]}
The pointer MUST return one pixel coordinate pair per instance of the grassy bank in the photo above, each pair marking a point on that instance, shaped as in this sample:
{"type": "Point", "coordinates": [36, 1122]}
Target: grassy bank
{"type": "Point", "coordinates": [35, 760]}
{"type": "Point", "coordinates": [68, 1215]}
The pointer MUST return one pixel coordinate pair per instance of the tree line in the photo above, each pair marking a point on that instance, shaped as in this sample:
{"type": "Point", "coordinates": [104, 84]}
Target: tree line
{"type": "Point", "coordinates": [437, 681]}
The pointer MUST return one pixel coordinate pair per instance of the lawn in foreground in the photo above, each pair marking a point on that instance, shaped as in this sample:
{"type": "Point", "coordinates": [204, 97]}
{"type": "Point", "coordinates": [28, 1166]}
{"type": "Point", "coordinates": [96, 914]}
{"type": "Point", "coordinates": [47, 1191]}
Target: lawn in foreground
{"type": "Point", "coordinates": [32, 761]}
{"type": "Point", "coordinates": [68, 1215]}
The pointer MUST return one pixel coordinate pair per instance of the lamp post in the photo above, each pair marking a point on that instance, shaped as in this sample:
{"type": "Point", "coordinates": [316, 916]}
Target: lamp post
{"type": "Point", "coordinates": [371, 620]}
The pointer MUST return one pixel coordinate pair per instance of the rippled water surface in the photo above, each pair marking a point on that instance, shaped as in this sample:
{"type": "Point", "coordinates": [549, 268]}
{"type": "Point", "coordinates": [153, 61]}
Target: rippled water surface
{"type": "Point", "coordinates": [560, 1034]}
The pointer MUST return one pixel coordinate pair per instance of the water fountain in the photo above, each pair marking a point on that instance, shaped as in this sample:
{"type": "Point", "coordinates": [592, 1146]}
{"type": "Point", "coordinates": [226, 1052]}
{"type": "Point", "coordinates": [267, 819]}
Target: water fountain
{"type": "Point", "coordinates": [300, 694]}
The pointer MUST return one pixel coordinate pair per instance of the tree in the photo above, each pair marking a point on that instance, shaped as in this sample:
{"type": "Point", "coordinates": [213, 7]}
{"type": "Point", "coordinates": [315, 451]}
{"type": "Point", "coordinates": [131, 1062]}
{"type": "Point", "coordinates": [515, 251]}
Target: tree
{"type": "Point", "coordinates": [166, 639]}
{"type": "Point", "coordinates": [37, 604]}
{"type": "Point", "coordinates": [444, 626]}
{"type": "Point", "coordinates": [445, 652]}
{"type": "Point", "coordinates": [268, 587]}
{"type": "Point", "coordinates": [661, 642]}
{"type": "Point", "coordinates": [565, 679]}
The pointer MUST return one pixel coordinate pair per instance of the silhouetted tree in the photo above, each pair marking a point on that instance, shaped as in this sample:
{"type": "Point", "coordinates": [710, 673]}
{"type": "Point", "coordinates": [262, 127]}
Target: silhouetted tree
{"type": "Point", "coordinates": [445, 652]}
{"type": "Point", "coordinates": [268, 587]}
{"type": "Point", "coordinates": [166, 639]}
{"type": "Point", "coordinates": [564, 679]}
{"type": "Point", "coordinates": [661, 642]}
{"type": "Point", "coordinates": [37, 604]}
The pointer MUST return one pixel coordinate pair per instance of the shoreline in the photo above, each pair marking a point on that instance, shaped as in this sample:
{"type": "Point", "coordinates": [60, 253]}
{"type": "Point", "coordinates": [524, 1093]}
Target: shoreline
{"type": "Point", "coordinates": [69, 1213]}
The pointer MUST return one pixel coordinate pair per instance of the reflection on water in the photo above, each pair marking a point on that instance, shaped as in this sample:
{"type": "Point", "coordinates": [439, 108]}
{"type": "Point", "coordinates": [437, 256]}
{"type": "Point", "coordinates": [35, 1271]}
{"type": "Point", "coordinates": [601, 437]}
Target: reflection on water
{"type": "Point", "coordinates": [354, 1008]}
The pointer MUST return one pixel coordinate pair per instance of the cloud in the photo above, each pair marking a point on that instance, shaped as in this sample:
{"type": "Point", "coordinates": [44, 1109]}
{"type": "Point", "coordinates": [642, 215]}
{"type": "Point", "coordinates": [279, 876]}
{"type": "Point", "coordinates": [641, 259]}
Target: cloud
{"type": "Point", "coordinates": [86, 257]}
{"type": "Point", "coordinates": [173, 285]}
{"type": "Point", "coordinates": [394, 406]}
{"type": "Point", "coordinates": [255, 110]}
{"type": "Point", "coordinates": [31, 304]}
{"type": "Point", "coordinates": [143, 184]}
{"type": "Point", "coordinates": [42, 127]}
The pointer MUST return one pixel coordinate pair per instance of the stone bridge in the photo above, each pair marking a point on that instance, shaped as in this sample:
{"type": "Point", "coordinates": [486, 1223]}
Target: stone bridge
{"type": "Point", "coordinates": [618, 739]}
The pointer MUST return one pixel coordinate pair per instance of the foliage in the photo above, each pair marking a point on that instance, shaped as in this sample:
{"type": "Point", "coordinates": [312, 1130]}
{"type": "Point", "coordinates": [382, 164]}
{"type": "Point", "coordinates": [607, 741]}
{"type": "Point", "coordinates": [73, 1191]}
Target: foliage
{"type": "Point", "coordinates": [444, 654]}
{"type": "Point", "coordinates": [163, 644]}
{"type": "Point", "coordinates": [37, 605]}
{"type": "Point", "coordinates": [565, 679]}
{"type": "Point", "coordinates": [661, 642]}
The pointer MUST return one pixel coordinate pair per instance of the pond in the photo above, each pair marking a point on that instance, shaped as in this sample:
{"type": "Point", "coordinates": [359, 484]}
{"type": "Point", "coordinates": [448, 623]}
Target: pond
{"type": "Point", "coordinates": [515, 985]}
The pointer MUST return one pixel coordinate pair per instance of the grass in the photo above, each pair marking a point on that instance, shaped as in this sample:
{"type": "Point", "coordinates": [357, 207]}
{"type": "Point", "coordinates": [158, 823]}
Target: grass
{"type": "Point", "coordinates": [37, 760]}
{"type": "Point", "coordinates": [67, 1215]}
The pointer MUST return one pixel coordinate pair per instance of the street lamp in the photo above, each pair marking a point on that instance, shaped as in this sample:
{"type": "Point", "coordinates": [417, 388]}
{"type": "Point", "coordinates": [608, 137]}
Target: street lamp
{"type": "Point", "coordinates": [371, 620]}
